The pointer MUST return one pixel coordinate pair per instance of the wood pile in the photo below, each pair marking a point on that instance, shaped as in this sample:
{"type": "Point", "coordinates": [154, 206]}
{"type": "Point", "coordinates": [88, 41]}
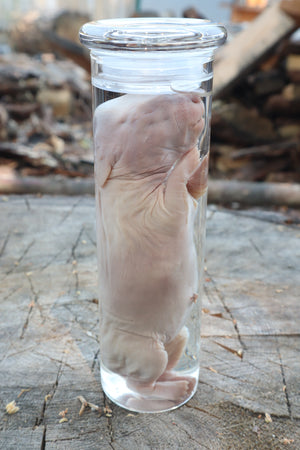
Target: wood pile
{"type": "Point", "coordinates": [256, 116]}
{"type": "Point", "coordinates": [256, 130]}
{"type": "Point", "coordinates": [45, 116]}
{"type": "Point", "coordinates": [46, 122]}
{"type": "Point", "coordinates": [35, 34]}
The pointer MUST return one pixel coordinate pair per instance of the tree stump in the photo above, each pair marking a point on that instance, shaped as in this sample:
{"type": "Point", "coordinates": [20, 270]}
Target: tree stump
{"type": "Point", "coordinates": [248, 395]}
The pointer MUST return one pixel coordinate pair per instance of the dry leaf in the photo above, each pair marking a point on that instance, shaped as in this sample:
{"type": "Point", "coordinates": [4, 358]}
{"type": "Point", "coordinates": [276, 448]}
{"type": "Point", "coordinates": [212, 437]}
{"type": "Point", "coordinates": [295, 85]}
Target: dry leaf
{"type": "Point", "coordinates": [219, 315]}
{"type": "Point", "coordinates": [287, 441]}
{"type": "Point", "coordinates": [107, 411]}
{"type": "Point", "coordinates": [268, 418]}
{"type": "Point", "coordinates": [64, 419]}
{"type": "Point", "coordinates": [12, 408]}
{"type": "Point", "coordinates": [63, 413]}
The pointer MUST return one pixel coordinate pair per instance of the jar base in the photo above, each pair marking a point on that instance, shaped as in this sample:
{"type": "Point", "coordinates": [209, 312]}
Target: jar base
{"type": "Point", "coordinates": [117, 391]}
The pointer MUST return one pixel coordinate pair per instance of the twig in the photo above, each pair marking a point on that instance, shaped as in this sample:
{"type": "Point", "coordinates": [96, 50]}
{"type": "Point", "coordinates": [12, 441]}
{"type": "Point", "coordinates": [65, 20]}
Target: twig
{"type": "Point", "coordinates": [85, 403]}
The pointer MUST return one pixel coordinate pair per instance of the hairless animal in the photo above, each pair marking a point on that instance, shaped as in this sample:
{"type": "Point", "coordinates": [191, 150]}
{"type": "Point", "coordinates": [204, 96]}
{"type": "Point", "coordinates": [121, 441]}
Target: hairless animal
{"type": "Point", "coordinates": [149, 175]}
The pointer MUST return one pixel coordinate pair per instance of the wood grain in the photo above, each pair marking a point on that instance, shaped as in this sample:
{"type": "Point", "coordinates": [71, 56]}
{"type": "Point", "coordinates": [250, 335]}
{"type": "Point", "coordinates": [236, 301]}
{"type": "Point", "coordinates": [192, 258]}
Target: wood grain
{"type": "Point", "coordinates": [250, 361]}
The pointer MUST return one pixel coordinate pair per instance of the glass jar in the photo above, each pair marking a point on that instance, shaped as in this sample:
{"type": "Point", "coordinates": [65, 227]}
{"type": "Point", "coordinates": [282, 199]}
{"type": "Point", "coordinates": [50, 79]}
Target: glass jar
{"type": "Point", "coordinates": [152, 84]}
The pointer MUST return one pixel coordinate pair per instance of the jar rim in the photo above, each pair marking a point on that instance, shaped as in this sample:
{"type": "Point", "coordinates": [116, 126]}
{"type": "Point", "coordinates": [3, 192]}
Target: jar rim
{"type": "Point", "coordinates": [152, 34]}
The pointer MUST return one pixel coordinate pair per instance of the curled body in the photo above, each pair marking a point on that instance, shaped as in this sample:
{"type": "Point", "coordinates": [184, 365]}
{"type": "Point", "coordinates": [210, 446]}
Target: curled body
{"type": "Point", "coordinates": [148, 175]}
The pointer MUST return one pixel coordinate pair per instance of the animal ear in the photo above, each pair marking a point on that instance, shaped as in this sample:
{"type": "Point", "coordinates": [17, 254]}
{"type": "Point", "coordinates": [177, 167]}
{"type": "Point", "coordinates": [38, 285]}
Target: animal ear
{"type": "Point", "coordinates": [177, 179]}
{"type": "Point", "coordinates": [102, 156]}
{"type": "Point", "coordinates": [103, 171]}
{"type": "Point", "coordinates": [197, 183]}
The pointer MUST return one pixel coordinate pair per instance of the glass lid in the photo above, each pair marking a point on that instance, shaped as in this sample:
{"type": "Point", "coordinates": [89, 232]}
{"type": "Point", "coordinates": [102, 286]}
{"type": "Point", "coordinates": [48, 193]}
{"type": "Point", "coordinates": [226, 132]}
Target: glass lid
{"type": "Point", "coordinates": [146, 34]}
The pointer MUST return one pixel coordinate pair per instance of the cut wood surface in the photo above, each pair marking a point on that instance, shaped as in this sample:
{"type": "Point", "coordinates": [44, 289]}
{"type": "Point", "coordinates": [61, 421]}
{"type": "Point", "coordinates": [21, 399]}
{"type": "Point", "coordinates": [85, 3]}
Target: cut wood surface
{"type": "Point", "coordinates": [248, 395]}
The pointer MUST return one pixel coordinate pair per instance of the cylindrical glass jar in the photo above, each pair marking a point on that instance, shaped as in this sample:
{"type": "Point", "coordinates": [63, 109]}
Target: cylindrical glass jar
{"type": "Point", "coordinates": [152, 82]}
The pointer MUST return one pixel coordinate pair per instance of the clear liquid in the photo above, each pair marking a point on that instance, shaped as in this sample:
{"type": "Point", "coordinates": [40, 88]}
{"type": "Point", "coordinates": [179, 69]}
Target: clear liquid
{"type": "Point", "coordinates": [186, 370]}
{"type": "Point", "coordinates": [117, 391]}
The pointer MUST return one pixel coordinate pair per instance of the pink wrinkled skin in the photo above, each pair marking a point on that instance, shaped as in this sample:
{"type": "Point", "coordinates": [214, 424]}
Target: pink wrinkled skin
{"type": "Point", "coordinates": [148, 174]}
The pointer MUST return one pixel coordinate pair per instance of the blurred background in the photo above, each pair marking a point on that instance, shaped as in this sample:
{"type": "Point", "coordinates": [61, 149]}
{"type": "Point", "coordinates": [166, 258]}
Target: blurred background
{"type": "Point", "coordinates": [114, 8]}
{"type": "Point", "coordinates": [45, 91]}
